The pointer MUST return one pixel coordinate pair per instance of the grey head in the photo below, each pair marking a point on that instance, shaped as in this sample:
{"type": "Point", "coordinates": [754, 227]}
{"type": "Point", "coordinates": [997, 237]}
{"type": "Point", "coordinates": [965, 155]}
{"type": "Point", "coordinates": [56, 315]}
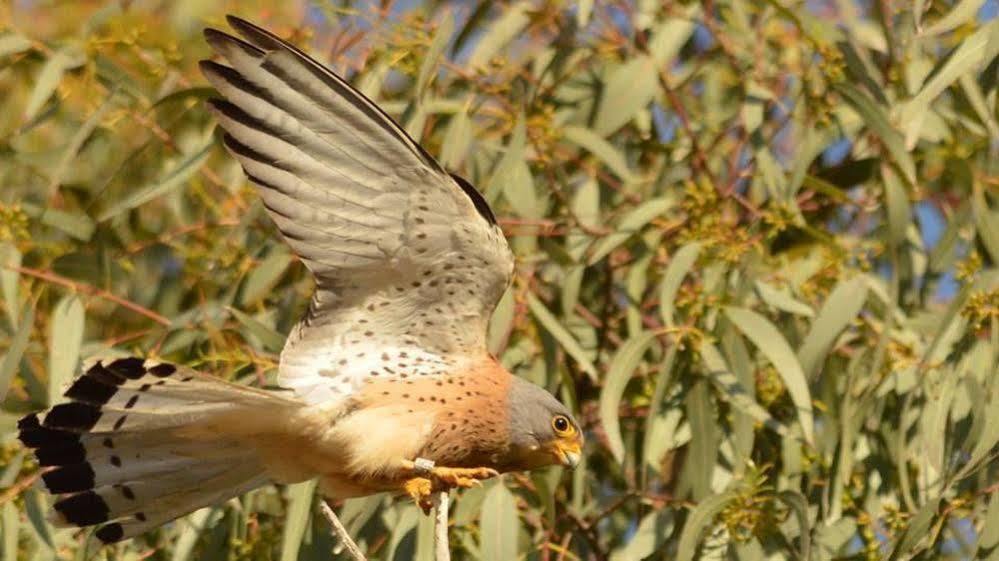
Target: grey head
{"type": "Point", "coordinates": [542, 431]}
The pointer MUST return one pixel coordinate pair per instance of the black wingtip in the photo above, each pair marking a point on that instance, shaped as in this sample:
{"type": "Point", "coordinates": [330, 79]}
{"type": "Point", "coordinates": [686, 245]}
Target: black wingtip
{"type": "Point", "coordinates": [70, 479]}
{"type": "Point", "coordinates": [83, 509]}
{"type": "Point", "coordinates": [245, 28]}
{"type": "Point", "coordinates": [89, 389]}
{"type": "Point", "coordinates": [37, 436]}
{"type": "Point", "coordinates": [236, 21]}
{"type": "Point", "coordinates": [110, 533]}
{"type": "Point", "coordinates": [29, 421]}
{"type": "Point", "coordinates": [72, 416]}
{"type": "Point", "coordinates": [162, 370]}
{"type": "Point", "coordinates": [131, 367]}
{"type": "Point", "coordinates": [64, 454]}
{"type": "Point", "coordinates": [221, 42]}
{"type": "Point", "coordinates": [210, 33]}
{"type": "Point", "coordinates": [480, 203]}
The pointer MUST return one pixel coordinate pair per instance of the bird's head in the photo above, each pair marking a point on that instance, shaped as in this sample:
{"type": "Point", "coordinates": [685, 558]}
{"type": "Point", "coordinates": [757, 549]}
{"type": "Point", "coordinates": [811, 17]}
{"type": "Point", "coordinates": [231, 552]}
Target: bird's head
{"type": "Point", "coordinates": [542, 431]}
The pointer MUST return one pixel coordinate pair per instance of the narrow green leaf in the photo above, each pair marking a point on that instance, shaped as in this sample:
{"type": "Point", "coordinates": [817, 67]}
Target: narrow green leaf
{"type": "Point", "coordinates": [622, 367]}
{"type": "Point", "coordinates": [514, 151]}
{"type": "Point", "coordinates": [989, 537]}
{"type": "Point", "coordinates": [603, 150]}
{"type": "Point", "coordinates": [519, 191]}
{"type": "Point", "coordinates": [915, 532]}
{"type": "Point", "coordinates": [174, 178]}
{"type": "Point", "coordinates": [11, 526]}
{"type": "Point", "coordinates": [405, 522]}
{"type": "Point", "coordinates": [194, 526]}
{"type": "Point", "coordinates": [838, 311]}
{"type": "Point", "coordinates": [514, 19]}
{"type": "Point", "coordinates": [432, 55]}
{"type": "Point", "coordinates": [457, 140]}
{"type": "Point", "coordinates": [705, 435]}
{"type": "Point", "coordinates": [501, 322]}
{"type": "Point", "coordinates": [987, 439]}
{"type": "Point", "coordinates": [799, 505]}
{"type": "Point", "coordinates": [48, 78]}
{"type": "Point", "coordinates": [965, 58]}
{"type": "Point", "coordinates": [650, 535]}
{"type": "Point", "coordinates": [12, 360]}
{"type": "Point", "coordinates": [734, 391]}
{"type": "Point", "coordinates": [782, 299]}
{"type": "Point", "coordinates": [10, 257]}
{"type": "Point", "coordinates": [35, 507]}
{"type": "Point", "coordinates": [561, 334]}
{"type": "Point", "coordinates": [65, 340]}
{"type": "Point", "coordinates": [585, 207]}
{"type": "Point", "coordinates": [772, 344]}
{"type": "Point", "coordinates": [631, 224]}
{"type": "Point", "coordinates": [986, 225]}
{"type": "Point", "coordinates": [698, 521]}
{"type": "Point", "coordinates": [269, 338]}
{"type": "Point", "coordinates": [897, 202]}
{"type": "Point", "coordinates": [963, 12]}
{"type": "Point", "coordinates": [630, 87]}
{"type": "Point", "coordinates": [298, 516]}
{"type": "Point", "coordinates": [875, 117]}
{"type": "Point", "coordinates": [76, 142]}
{"type": "Point", "coordinates": [976, 98]}
{"type": "Point", "coordinates": [75, 224]}
{"type": "Point", "coordinates": [499, 525]}
{"type": "Point", "coordinates": [186, 94]}
{"type": "Point", "coordinates": [264, 276]}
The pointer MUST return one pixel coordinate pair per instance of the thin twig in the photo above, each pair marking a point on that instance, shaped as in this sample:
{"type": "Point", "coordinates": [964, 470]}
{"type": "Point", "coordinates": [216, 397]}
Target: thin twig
{"type": "Point", "coordinates": [91, 291]}
{"type": "Point", "coordinates": [341, 532]}
{"type": "Point", "coordinates": [442, 551]}
{"type": "Point", "coordinates": [16, 489]}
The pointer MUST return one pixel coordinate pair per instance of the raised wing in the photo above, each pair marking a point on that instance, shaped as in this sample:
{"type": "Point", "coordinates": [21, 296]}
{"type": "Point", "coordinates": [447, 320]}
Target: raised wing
{"type": "Point", "coordinates": [408, 260]}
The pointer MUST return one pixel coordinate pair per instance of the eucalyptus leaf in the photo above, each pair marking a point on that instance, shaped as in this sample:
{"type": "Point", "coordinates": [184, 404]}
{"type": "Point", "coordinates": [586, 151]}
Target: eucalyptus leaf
{"type": "Point", "coordinates": [773, 345]}
{"type": "Point", "coordinates": [698, 522]}
{"type": "Point", "coordinates": [622, 368]}
{"type": "Point", "coordinates": [18, 344]}
{"type": "Point", "coordinates": [499, 525]}
{"type": "Point", "coordinates": [629, 225]}
{"type": "Point", "coordinates": [300, 500]}
{"type": "Point", "coordinates": [65, 340]}
{"type": "Point", "coordinates": [840, 308]}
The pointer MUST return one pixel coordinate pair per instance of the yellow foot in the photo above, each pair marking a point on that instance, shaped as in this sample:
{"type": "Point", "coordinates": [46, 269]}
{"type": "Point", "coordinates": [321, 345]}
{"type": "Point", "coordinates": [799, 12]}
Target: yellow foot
{"type": "Point", "coordinates": [462, 477]}
{"type": "Point", "coordinates": [428, 481]}
{"type": "Point", "coordinates": [421, 490]}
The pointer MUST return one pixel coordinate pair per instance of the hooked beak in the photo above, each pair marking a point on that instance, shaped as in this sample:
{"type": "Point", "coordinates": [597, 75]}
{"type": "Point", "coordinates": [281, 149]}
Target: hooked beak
{"type": "Point", "coordinates": [568, 452]}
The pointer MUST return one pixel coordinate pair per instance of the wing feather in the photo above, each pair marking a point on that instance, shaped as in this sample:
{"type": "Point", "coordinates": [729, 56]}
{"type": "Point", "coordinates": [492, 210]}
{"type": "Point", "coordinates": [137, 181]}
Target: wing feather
{"type": "Point", "coordinates": [408, 260]}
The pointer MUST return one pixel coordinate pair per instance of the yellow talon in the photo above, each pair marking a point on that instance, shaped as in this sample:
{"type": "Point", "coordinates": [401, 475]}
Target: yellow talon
{"type": "Point", "coordinates": [421, 490]}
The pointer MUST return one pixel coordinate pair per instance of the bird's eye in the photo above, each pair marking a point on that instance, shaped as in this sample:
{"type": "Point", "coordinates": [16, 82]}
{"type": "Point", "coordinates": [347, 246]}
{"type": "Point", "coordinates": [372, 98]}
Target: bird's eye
{"type": "Point", "coordinates": [561, 424]}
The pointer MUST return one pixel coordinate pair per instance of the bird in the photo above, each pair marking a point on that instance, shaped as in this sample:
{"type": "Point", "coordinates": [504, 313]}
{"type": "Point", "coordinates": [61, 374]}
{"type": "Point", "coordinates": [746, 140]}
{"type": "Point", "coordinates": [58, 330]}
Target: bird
{"type": "Point", "coordinates": [386, 383]}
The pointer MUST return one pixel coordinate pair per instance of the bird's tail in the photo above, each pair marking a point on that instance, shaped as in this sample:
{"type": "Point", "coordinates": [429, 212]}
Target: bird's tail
{"type": "Point", "coordinates": [142, 442]}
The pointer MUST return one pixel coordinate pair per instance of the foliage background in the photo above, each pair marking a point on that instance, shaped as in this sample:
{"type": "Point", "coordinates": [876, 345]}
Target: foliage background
{"type": "Point", "coordinates": [757, 251]}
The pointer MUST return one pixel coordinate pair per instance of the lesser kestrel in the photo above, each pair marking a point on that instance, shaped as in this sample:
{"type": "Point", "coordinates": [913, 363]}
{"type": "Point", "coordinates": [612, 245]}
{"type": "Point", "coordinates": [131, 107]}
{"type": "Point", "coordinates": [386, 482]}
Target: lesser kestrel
{"type": "Point", "coordinates": [389, 365]}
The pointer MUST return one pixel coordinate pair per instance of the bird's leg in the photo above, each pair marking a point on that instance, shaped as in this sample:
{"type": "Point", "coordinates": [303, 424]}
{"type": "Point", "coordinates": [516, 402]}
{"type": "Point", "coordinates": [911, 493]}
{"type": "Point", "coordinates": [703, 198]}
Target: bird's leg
{"type": "Point", "coordinates": [462, 477]}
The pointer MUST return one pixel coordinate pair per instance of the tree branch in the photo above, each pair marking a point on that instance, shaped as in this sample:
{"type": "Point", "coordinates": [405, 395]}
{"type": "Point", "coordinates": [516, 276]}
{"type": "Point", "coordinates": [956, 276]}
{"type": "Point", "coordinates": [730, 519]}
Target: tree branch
{"type": "Point", "coordinates": [341, 532]}
{"type": "Point", "coordinates": [442, 550]}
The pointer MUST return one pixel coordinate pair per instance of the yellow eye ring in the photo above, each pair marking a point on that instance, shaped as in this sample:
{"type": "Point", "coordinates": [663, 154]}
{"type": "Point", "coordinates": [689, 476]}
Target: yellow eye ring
{"type": "Point", "coordinates": [561, 425]}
